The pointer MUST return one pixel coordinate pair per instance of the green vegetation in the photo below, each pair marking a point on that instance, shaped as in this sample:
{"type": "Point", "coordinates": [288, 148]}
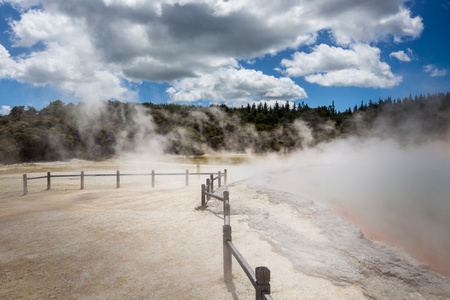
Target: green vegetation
{"type": "Point", "coordinates": [103, 129]}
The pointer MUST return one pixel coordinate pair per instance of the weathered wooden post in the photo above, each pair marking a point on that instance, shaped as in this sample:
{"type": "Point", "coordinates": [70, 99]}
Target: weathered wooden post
{"type": "Point", "coordinates": [227, 267]}
{"type": "Point", "coordinates": [25, 184]}
{"type": "Point", "coordinates": [226, 207]}
{"type": "Point", "coordinates": [208, 187]}
{"type": "Point", "coordinates": [153, 178]}
{"type": "Point", "coordinates": [262, 275]}
{"type": "Point", "coordinates": [187, 177]}
{"type": "Point", "coordinates": [48, 180]}
{"type": "Point", "coordinates": [220, 180]}
{"type": "Point", "coordinates": [82, 180]}
{"type": "Point", "coordinates": [118, 179]}
{"type": "Point", "coordinates": [227, 262]}
{"type": "Point", "coordinates": [225, 177]}
{"type": "Point", "coordinates": [211, 181]}
{"type": "Point", "coordinates": [203, 197]}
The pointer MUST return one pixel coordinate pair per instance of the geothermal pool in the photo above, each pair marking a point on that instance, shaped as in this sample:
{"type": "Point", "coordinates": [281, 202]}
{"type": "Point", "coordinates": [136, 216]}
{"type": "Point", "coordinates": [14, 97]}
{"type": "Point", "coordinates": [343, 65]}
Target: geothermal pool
{"type": "Point", "coordinates": [394, 194]}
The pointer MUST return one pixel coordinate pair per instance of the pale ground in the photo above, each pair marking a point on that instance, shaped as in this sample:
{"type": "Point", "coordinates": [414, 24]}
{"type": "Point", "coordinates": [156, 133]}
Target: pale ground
{"type": "Point", "coordinates": [136, 242]}
{"type": "Point", "coordinates": [139, 242]}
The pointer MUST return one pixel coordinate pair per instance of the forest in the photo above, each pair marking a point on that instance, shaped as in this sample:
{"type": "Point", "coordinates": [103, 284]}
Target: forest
{"type": "Point", "coordinates": [103, 129]}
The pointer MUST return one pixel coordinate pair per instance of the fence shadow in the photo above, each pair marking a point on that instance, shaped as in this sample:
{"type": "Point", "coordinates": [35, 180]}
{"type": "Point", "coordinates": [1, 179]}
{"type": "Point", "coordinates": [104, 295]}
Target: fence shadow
{"type": "Point", "coordinates": [231, 288]}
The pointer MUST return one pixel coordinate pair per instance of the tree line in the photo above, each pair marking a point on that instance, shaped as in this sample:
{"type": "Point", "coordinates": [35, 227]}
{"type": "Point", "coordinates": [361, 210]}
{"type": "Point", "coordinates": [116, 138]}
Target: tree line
{"type": "Point", "coordinates": [102, 130]}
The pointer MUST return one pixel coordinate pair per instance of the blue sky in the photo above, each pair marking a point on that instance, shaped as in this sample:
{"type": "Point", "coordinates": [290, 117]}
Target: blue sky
{"type": "Point", "coordinates": [232, 52]}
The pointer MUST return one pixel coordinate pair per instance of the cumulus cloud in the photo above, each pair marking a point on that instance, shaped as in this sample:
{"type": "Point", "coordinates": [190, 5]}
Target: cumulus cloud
{"type": "Point", "coordinates": [359, 65]}
{"type": "Point", "coordinates": [69, 61]}
{"type": "Point", "coordinates": [94, 48]}
{"type": "Point", "coordinates": [401, 55]}
{"type": "Point", "coordinates": [5, 110]}
{"type": "Point", "coordinates": [7, 64]}
{"type": "Point", "coordinates": [36, 25]}
{"type": "Point", "coordinates": [235, 86]}
{"type": "Point", "coordinates": [434, 71]}
{"type": "Point", "coordinates": [366, 21]}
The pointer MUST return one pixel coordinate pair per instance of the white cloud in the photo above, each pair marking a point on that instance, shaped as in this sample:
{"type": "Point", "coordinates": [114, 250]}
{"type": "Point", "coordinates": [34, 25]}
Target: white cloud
{"type": "Point", "coordinates": [355, 77]}
{"type": "Point", "coordinates": [366, 21]}
{"type": "Point", "coordinates": [235, 87]}
{"type": "Point", "coordinates": [401, 56]}
{"type": "Point", "coordinates": [37, 25]}
{"type": "Point", "coordinates": [7, 64]}
{"type": "Point", "coordinates": [435, 72]}
{"type": "Point", "coordinates": [69, 62]}
{"type": "Point", "coordinates": [5, 110]}
{"type": "Point", "coordinates": [90, 48]}
{"type": "Point", "coordinates": [358, 66]}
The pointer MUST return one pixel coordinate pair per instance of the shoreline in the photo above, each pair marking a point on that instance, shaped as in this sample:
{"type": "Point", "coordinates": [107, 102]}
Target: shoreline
{"type": "Point", "coordinates": [432, 263]}
{"type": "Point", "coordinates": [321, 243]}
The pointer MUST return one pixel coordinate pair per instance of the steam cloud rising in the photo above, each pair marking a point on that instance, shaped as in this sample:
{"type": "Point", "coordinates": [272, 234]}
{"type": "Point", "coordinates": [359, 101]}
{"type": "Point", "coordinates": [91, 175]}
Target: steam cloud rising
{"type": "Point", "coordinates": [392, 184]}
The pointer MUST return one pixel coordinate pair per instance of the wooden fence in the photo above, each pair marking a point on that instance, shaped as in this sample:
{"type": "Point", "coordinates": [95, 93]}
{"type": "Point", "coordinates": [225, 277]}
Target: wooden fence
{"type": "Point", "coordinates": [260, 278]}
{"type": "Point", "coordinates": [118, 175]}
{"type": "Point", "coordinates": [208, 188]}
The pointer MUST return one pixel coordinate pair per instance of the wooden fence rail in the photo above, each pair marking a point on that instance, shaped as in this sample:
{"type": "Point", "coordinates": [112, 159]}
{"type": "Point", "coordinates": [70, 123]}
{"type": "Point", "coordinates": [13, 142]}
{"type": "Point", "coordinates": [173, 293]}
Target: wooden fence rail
{"type": "Point", "coordinates": [260, 278]}
{"type": "Point", "coordinates": [118, 175]}
{"type": "Point", "coordinates": [208, 188]}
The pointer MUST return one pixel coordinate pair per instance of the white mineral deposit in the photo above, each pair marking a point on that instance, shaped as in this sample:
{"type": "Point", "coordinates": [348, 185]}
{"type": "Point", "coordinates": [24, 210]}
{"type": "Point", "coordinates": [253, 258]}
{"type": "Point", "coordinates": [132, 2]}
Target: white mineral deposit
{"type": "Point", "coordinates": [144, 242]}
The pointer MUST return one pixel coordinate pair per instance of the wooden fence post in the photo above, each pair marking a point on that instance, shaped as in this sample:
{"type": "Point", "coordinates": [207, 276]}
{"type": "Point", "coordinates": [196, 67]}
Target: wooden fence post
{"type": "Point", "coordinates": [187, 177]}
{"type": "Point", "coordinates": [208, 187]}
{"type": "Point", "coordinates": [48, 180]}
{"type": "Point", "coordinates": [82, 180]}
{"type": "Point", "coordinates": [203, 196]}
{"type": "Point", "coordinates": [226, 208]}
{"type": "Point", "coordinates": [226, 203]}
{"type": "Point", "coordinates": [118, 179]}
{"type": "Point", "coordinates": [220, 180]}
{"type": "Point", "coordinates": [262, 275]}
{"type": "Point", "coordinates": [25, 184]}
{"type": "Point", "coordinates": [153, 178]}
{"type": "Point", "coordinates": [225, 177]}
{"type": "Point", "coordinates": [211, 182]}
{"type": "Point", "coordinates": [227, 267]}
{"type": "Point", "coordinates": [227, 262]}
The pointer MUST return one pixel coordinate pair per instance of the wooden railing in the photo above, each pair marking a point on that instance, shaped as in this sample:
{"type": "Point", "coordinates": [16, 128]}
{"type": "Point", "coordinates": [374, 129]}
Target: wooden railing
{"type": "Point", "coordinates": [118, 175]}
{"type": "Point", "coordinates": [260, 278]}
{"type": "Point", "coordinates": [208, 188]}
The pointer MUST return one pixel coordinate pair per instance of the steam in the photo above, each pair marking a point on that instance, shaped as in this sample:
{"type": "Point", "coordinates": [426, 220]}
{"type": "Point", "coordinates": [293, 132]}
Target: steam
{"type": "Point", "coordinates": [394, 191]}
{"type": "Point", "coordinates": [305, 133]}
{"type": "Point", "coordinates": [129, 130]}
